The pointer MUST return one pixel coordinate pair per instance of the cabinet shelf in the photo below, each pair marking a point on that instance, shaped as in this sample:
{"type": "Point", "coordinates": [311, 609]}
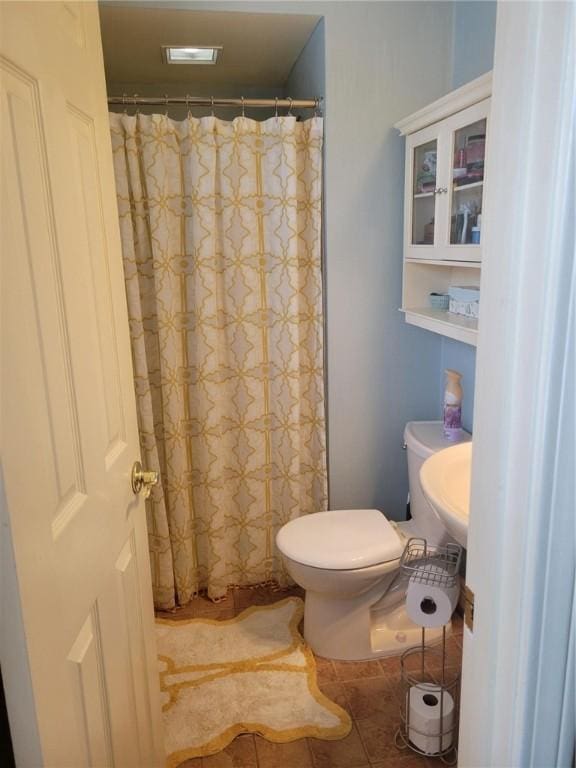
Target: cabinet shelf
{"type": "Point", "coordinates": [463, 187]}
{"type": "Point", "coordinates": [444, 263]}
{"type": "Point", "coordinates": [455, 187]}
{"type": "Point", "coordinates": [445, 323]}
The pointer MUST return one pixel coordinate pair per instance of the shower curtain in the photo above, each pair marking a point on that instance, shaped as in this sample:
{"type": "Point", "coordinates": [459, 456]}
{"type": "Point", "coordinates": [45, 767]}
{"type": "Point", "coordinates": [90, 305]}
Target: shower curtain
{"type": "Point", "coordinates": [221, 236]}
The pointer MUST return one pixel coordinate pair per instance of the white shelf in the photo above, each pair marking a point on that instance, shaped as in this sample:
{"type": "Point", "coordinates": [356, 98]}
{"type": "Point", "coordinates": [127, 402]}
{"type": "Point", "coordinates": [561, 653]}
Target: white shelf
{"type": "Point", "coordinates": [463, 187]}
{"type": "Point", "coordinates": [445, 263]}
{"type": "Point", "coordinates": [420, 195]}
{"type": "Point", "coordinates": [457, 327]}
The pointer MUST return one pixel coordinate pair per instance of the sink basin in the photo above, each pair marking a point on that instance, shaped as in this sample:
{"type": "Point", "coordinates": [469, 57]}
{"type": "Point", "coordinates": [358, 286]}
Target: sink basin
{"type": "Point", "coordinates": [445, 480]}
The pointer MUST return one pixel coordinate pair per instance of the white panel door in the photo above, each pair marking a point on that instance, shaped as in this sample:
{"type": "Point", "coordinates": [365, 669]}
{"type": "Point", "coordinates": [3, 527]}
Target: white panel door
{"type": "Point", "coordinates": [69, 434]}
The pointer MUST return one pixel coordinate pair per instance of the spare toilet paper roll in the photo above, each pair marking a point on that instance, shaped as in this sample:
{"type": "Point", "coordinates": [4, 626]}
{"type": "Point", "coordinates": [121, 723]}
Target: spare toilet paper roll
{"type": "Point", "coordinates": [424, 728]}
{"type": "Point", "coordinates": [428, 605]}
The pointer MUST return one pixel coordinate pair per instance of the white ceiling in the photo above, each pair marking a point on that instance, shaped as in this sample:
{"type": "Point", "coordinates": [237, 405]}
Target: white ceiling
{"type": "Point", "coordinates": [259, 49]}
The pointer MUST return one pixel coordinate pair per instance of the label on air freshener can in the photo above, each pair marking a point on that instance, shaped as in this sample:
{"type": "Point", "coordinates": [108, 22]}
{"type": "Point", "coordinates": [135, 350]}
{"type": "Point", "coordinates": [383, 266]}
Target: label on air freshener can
{"type": "Point", "coordinates": [452, 421]}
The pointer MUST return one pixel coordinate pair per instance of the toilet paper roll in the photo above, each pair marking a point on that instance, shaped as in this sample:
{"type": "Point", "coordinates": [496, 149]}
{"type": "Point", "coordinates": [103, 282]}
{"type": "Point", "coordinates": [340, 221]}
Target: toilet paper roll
{"type": "Point", "coordinates": [424, 728]}
{"type": "Point", "coordinates": [429, 605]}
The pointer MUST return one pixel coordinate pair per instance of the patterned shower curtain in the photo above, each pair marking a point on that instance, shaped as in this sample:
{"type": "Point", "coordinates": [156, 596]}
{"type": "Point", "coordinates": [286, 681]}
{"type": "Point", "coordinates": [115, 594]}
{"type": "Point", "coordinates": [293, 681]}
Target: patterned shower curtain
{"type": "Point", "coordinates": [221, 236]}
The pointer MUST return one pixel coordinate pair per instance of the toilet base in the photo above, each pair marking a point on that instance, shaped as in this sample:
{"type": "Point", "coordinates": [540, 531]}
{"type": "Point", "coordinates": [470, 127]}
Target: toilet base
{"type": "Point", "coordinates": [394, 632]}
{"type": "Point", "coordinates": [361, 628]}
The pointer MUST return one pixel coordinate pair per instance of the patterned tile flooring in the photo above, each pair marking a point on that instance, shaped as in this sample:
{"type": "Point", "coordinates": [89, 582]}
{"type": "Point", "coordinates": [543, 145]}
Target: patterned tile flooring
{"type": "Point", "coordinates": [366, 689]}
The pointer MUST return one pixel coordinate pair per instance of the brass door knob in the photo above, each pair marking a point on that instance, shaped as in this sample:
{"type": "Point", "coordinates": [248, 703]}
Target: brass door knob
{"type": "Point", "coordinates": [143, 481]}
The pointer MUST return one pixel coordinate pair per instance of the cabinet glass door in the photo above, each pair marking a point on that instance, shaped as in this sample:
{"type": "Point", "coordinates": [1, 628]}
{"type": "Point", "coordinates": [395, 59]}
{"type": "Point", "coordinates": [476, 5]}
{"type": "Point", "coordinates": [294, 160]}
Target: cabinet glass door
{"type": "Point", "coordinates": [424, 193]}
{"type": "Point", "coordinates": [467, 184]}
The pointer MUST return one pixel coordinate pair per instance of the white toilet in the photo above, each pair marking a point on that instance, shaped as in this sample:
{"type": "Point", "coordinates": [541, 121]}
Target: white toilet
{"type": "Point", "coordinates": [348, 563]}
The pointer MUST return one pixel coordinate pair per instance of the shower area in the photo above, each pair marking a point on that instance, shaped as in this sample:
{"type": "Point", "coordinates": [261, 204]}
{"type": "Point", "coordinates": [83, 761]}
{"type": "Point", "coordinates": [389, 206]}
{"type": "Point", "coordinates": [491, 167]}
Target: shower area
{"type": "Point", "coordinates": [218, 167]}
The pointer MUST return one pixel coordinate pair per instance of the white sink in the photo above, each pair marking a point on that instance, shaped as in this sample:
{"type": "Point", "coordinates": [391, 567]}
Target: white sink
{"type": "Point", "coordinates": [445, 480]}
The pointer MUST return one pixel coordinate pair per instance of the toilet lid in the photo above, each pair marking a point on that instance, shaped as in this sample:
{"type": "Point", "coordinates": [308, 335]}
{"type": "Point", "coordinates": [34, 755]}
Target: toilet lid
{"type": "Point", "coordinates": [340, 539]}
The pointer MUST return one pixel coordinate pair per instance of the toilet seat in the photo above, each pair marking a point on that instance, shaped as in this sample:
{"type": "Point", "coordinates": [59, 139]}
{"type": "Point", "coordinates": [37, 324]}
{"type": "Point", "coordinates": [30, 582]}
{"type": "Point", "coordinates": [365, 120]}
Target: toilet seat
{"type": "Point", "coordinates": [340, 539]}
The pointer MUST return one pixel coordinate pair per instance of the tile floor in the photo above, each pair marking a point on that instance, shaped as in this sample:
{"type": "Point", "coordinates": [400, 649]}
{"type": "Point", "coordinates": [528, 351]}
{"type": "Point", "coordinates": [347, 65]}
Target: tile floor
{"type": "Point", "coordinates": [366, 689]}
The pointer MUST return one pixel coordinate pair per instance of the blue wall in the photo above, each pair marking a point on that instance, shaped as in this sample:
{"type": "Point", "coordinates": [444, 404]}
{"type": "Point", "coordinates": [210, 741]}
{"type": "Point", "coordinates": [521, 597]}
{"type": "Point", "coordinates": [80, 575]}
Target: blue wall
{"type": "Point", "coordinates": [381, 372]}
{"type": "Point", "coordinates": [308, 75]}
{"type": "Point", "coordinates": [474, 30]}
{"type": "Point", "coordinates": [473, 53]}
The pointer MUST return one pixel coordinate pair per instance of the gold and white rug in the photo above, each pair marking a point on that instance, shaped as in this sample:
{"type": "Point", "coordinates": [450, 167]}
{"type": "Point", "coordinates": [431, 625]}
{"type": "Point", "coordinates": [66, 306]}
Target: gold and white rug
{"type": "Point", "coordinates": [251, 674]}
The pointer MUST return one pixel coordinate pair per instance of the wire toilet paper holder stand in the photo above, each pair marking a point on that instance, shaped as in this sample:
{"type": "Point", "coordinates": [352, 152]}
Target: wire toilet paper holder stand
{"type": "Point", "coordinates": [436, 566]}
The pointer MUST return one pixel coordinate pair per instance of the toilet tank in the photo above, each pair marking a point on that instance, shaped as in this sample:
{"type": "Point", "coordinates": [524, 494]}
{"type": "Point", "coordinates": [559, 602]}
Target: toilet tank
{"type": "Point", "coordinates": [422, 439]}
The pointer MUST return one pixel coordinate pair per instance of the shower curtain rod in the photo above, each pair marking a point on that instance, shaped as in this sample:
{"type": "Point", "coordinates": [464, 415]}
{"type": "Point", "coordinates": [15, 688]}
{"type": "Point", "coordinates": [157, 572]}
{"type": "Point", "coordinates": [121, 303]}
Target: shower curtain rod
{"type": "Point", "coordinates": [203, 101]}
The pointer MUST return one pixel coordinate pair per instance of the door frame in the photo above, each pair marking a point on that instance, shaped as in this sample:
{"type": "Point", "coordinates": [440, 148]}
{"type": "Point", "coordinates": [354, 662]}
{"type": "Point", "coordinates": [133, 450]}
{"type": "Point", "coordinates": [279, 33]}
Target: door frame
{"type": "Point", "coordinates": [15, 668]}
{"type": "Point", "coordinates": [518, 670]}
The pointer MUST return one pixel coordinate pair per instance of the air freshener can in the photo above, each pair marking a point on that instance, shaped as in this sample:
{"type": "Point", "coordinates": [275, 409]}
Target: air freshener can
{"type": "Point", "coordinates": [452, 405]}
{"type": "Point", "coordinates": [452, 421]}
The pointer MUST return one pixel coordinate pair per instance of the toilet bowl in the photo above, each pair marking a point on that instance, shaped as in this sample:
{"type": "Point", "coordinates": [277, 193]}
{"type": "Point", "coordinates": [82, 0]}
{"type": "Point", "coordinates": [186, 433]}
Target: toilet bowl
{"type": "Point", "coordinates": [348, 563]}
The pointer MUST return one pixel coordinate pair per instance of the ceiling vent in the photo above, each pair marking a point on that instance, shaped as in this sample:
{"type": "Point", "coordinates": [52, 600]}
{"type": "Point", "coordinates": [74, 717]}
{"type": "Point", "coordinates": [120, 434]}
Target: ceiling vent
{"type": "Point", "coordinates": [191, 54]}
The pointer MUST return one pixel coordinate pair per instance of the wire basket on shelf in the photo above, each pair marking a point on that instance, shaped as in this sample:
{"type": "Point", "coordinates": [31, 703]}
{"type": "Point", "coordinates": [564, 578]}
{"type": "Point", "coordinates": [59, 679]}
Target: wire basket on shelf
{"type": "Point", "coordinates": [434, 564]}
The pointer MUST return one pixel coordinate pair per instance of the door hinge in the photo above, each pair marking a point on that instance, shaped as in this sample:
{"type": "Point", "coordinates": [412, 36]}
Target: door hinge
{"type": "Point", "coordinates": [468, 607]}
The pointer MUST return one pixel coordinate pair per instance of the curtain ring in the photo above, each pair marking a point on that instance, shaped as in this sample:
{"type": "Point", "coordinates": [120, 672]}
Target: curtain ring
{"type": "Point", "coordinates": [276, 107]}
{"type": "Point", "coordinates": [317, 106]}
{"type": "Point", "coordinates": [243, 112]}
{"type": "Point", "coordinates": [136, 110]}
{"type": "Point", "coordinates": [125, 110]}
{"type": "Point", "coordinates": [188, 112]}
{"type": "Point", "coordinates": [212, 106]}
{"type": "Point", "coordinates": [290, 107]}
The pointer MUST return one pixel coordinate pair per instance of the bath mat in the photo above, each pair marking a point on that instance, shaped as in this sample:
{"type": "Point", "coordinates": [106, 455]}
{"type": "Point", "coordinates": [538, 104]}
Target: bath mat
{"type": "Point", "coordinates": [251, 674]}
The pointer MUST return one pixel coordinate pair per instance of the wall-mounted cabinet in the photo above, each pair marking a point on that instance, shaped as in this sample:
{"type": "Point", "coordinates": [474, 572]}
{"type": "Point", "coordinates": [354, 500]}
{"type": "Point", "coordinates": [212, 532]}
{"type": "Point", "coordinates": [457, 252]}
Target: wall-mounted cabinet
{"type": "Point", "coordinates": [444, 196]}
